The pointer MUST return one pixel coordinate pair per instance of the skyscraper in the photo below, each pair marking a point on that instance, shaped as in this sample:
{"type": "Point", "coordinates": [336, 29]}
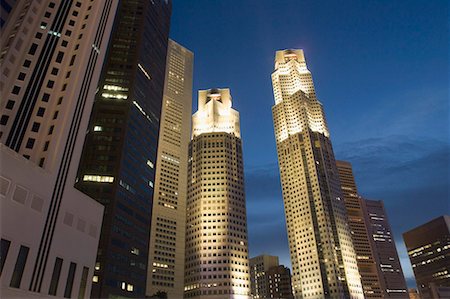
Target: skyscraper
{"type": "Point", "coordinates": [268, 279]}
{"type": "Point", "coordinates": [167, 235]}
{"type": "Point", "coordinates": [378, 261]}
{"type": "Point", "coordinates": [322, 254]}
{"type": "Point", "coordinates": [428, 248]}
{"type": "Point", "coordinates": [117, 164]}
{"type": "Point", "coordinates": [390, 273]}
{"type": "Point", "coordinates": [51, 58]}
{"type": "Point", "coordinates": [216, 232]}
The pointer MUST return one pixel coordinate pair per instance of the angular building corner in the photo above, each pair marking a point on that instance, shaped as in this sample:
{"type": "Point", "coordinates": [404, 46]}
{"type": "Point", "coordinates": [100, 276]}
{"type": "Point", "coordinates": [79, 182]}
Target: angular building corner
{"type": "Point", "coordinates": [168, 226]}
{"type": "Point", "coordinates": [48, 84]}
{"type": "Point", "coordinates": [322, 254]}
{"type": "Point", "coordinates": [217, 264]}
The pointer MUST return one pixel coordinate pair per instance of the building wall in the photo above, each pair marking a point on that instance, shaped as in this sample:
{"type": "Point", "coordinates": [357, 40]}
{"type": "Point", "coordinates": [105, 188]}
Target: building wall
{"type": "Point", "coordinates": [47, 89]}
{"type": "Point", "coordinates": [392, 280]}
{"type": "Point", "coordinates": [121, 145]}
{"type": "Point", "coordinates": [279, 282]}
{"type": "Point", "coordinates": [428, 248]}
{"type": "Point", "coordinates": [259, 266]}
{"type": "Point", "coordinates": [322, 254]}
{"type": "Point", "coordinates": [216, 234]}
{"type": "Point", "coordinates": [167, 235]}
{"type": "Point", "coordinates": [6, 7]}
{"type": "Point", "coordinates": [367, 265]}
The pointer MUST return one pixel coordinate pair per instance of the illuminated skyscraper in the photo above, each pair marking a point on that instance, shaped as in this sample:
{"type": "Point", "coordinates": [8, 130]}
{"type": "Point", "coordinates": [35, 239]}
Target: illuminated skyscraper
{"type": "Point", "coordinates": [322, 254]}
{"type": "Point", "coordinates": [167, 234]}
{"type": "Point", "coordinates": [52, 52]}
{"type": "Point", "coordinates": [216, 233]}
{"type": "Point", "coordinates": [116, 166]}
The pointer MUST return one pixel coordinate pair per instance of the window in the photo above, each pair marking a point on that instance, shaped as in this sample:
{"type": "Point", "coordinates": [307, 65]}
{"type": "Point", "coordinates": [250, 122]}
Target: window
{"type": "Point", "coordinates": [38, 35]}
{"type": "Point", "coordinates": [16, 89]}
{"type": "Point", "coordinates": [68, 32]}
{"type": "Point", "coordinates": [10, 104]}
{"type": "Point", "coordinates": [55, 276]}
{"type": "Point", "coordinates": [69, 283]}
{"type": "Point", "coordinates": [59, 57]}
{"type": "Point", "coordinates": [45, 97]}
{"type": "Point", "coordinates": [71, 23]}
{"type": "Point", "coordinates": [50, 83]}
{"type": "Point", "coordinates": [55, 71]}
{"type": "Point", "coordinates": [64, 43]}
{"type": "Point", "coordinates": [40, 111]}
{"type": "Point", "coordinates": [46, 145]}
{"type": "Point", "coordinates": [4, 120]}
{"type": "Point", "coordinates": [83, 283]}
{"type": "Point", "coordinates": [19, 267]}
{"type": "Point", "coordinates": [47, 14]}
{"type": "Point", "coordinates": [41, 162]}
{"type": "Point", "coordinates": [27, 63]}
{"type": "Point", "coordinates": [21, 76]}
{"type": "Point", "coordinates": [50, 131]}
{"type": "Point", "coordinates": [30, 142]}
{"type": "Point", "coordinates": [4, 248]}
{"type": "Point", "coordinates": [33, 49]}
{"type": "Point", "coordinates": [51, 5]}
{"type": "Point", "coordinates": [55, 116]}
{"type": "Point", "coordinates": [35, 127]}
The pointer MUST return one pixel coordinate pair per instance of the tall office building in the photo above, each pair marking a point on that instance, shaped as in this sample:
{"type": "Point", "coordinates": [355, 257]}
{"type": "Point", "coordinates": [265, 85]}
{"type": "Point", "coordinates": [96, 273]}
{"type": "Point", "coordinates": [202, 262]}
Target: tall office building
{"type": "Point", "coordinates": [167, 234]}
{"type": "Point", "coordinates": [51, 58]}
{"type": "Point", "coordinates": [376, 254]}
{"type": "Point", "coordinates": [428, 248]}
{"type": "Point", "coordinates": [322, 254]}
{"type": "Point", "coordinates": [216, 232]}
{"type": "Point", "coordinates": [268, 279]}
{"type": "Point", "coordinates": [361, 241]}
{"type": "Point", "coordinates": [392, 280]}
{"type": "Point", "coordinates": [117, 163]}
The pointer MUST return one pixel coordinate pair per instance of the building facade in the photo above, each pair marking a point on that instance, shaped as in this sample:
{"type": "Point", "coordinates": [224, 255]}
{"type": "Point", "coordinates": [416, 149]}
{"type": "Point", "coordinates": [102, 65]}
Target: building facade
{"type": "Point", "coordinates": [52, 55]}
{"type": "Point", "coordinates": [322, 254]}
{"type": "Point", "coordinates": [361, 241]}
{"type": "Point", "coordinates": [216, 228]}
{"type": "Point", "coordinates": [376, 254]}
{"type": "Point", "coordinates": [119, 155]}
{"type": "Point", "coordinates": [390, 273]}
{"type": "Point", "coordinates": [428, 248]}
{"type": "Point", "coordinates": [268, 279]}
{"type": "Point", "coordinates": [167, 231]}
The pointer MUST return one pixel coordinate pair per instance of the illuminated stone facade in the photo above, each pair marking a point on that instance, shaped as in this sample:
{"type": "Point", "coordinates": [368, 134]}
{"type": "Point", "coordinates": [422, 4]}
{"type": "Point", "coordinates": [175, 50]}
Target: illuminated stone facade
{"type": "Point", "coordinates": [322, 254]}
{"type": "Point", "coordinates": [216, 234]}
{"type": "Point", "coordinates": [167, 231]}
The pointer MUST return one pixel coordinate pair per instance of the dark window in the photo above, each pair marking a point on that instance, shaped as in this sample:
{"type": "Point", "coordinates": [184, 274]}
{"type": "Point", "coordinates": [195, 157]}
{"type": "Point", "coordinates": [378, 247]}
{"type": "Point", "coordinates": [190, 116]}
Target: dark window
{"type": "Point", "coordinates": [75, 13]}
{"type": "Point", "coordinates": [40, 111]}
{"type": "Point", "coordinates": [68, 75]}
{"type": "Point", "coordinates": [83, 283]}
{"type": "Point", "coordinates": [50, 131]}
{"type": "Point", "coordinates": [26, 157]}
{"type": "Point", "coordinates": [10, 104]}
{"type": "Point", "coordinates": [16, 89]}
{"type": "Point", "coordinates": [71, 23]}
{"type": "Point", "coordinates": [69, 283]}
{"type": "Point", "coordinates": [41, 162]}
{"type": "Point", "coordinates": [47, 14]}
{"type": "Point", "coordinates": [4, 120]}
{"type": "Point", "coordinates": [72, 61]}
{"type": "Point", "coordinates": [60, 101]}
{"type": "Point", "coordinates": [4, 248]}
{"type": "Point", "coordinates": [21, 76]}
{"type": "Point", "coordinates": [38, 35]}
{"type": "Point", "coordinates": [60, 56]}
{"type": "Point", "coordinates": [50, 83]}
{"type": "Point", "coordinates": [19, 267]}
{"type": "Point", "coordinates": [33, 49]}
{"type": "Point", "coordinates": [55, 71]}
{"type": "Point", "coordinates": [55, 276]}
{"type": "Point", "coordinates": [27, 63]}
{"type": "Point", "coordinates": [78, 4]}
{"type": "Point", "coordinates": [55, 116]}
{"type": "Point", "coordinates": [68, 32]}
{"type": "Point", "coordinates": [45, 97]}
{"type": "Point", "coordinates": [30, 143]}
{"type": "Point", "coordinates": [51, 5]}
{"type": "Point", "coordinates": [64, 43]}
{"type": "Point", "coordinates": [35, 127]}
{"type": "Point", "coordinates": [46, 145]}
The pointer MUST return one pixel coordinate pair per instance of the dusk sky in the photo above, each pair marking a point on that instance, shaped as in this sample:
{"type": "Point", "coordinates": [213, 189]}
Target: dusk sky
{"type": "Point", "coordinates": [381, 70]}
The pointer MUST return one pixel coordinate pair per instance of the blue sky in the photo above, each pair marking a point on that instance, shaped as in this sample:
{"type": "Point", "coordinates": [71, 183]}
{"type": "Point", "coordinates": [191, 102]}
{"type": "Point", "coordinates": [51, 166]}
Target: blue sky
{"type": "Point", "coordinates": [381, 70]}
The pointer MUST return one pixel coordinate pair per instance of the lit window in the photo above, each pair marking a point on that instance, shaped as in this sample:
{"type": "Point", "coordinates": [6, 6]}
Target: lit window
{"type": "Point", "coordinates": [98, 129]}
{"type": "Point", "coordinates": [95, 278]}
{"type": "Point", "coordinates": [98, 178]}
{"type": "Point", "coordinates": [150, 163]}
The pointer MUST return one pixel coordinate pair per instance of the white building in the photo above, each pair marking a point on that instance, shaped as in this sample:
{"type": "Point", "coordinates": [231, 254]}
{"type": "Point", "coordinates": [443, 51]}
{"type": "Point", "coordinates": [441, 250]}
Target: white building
{"type": "Point", "coordinates": [322, 254]}
{"type": "Point", "coordinates": [51, 57]}
{"type": "Point", "coordinates": [217, 263]}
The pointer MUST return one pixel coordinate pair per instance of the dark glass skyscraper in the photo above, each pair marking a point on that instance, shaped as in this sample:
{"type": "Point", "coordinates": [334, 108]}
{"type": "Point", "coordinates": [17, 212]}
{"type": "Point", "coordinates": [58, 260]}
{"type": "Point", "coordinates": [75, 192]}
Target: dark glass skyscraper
{"type": "Point", "coordinates": [117, 164]}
